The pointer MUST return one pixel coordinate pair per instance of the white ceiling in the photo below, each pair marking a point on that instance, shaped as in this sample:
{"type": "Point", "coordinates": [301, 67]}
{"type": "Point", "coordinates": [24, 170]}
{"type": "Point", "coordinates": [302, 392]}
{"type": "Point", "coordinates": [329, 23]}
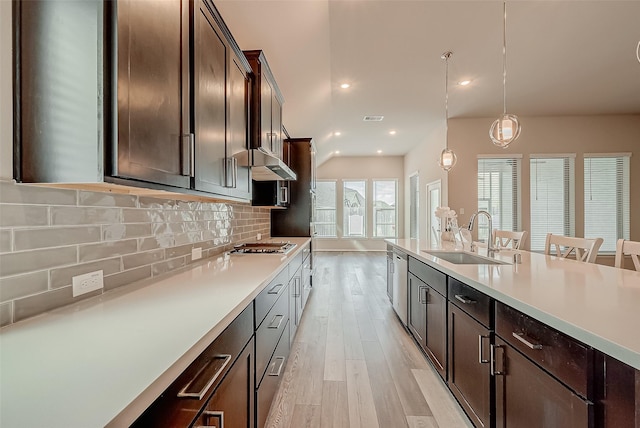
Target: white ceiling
{"type": "Point", "coordinates": [564, 58]}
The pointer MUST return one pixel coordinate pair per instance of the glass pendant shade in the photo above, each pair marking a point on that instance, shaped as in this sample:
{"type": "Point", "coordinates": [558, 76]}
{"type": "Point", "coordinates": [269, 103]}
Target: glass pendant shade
{"type": "Point", "coordinates": [505, 130]}
{"type": "Point", "coordinates": [447, 159]}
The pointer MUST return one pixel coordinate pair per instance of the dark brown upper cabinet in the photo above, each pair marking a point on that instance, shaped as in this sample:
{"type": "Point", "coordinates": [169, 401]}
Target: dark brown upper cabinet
{"type": "Point", "coordinates": [266, 106]}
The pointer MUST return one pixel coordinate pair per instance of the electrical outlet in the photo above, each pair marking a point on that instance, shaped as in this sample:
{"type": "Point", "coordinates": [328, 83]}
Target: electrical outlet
{"type": "Point", "coordinates": [258, 236]}
{"type": "Point", "coordinates": [196, 253]}
{"type": "Point", "coordinates": [87, 282]}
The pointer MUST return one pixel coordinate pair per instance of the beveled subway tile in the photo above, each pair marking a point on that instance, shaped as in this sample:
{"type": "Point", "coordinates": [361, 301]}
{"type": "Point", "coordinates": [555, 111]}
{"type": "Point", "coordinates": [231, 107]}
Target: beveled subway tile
{"type": "Point", "coordinates": [29, 239]}
{"type": "Point", "coordinates": [106, 199]}
{"type": "Point", "coordinates": [179, 216]}
{"type": "Point", "coordinates": [107, 249]}
{"type": "Point", "coordinates": [39, 303]}
{"type": "Point", "coordinates": [6, 314]}
{"type": "Point", "coordinates": [62, 277]}
{"type": "Point", "coordinates": [181, 250]}
{"type": "Point", "coordinates": [126, 277]}
{"type": "Point", "coordinates": [188, 238]}
{"type": "Point", "coordinates": [84, 215]}
{"type": "Point", "coordinates": [167, 228]}
{"type": "Point", "coordinates": [23, 215]}
{"type": "Point", "coordinates": [26, 194]}
{"type": "Point", "coordinates": [14, 287]}
{"type": "Point", "coordinates": [123, 231]}
{"type": "Point", "coordinates": [157, 241]}
{"type": "Point", "coordinates": [167, 266]}
{"type": "Point", "coordinates": [140, 259]}
{"type": "Point", "coordinates": [5, 241]}
{"type": "Point", "coordinates": [155, 203]}
{"type": "Point", "coordinates": [29, 261]}
{"type": "Point", "coordinates": [130, 215]}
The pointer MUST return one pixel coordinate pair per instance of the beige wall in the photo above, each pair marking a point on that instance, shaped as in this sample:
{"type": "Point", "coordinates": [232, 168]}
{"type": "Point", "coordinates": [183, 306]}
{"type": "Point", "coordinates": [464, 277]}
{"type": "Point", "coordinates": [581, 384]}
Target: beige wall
{"type": "Point", "coordinates": [6, 94]}
{"type": "Point", "coordinates": [423, 159]}
{"type": "Point", "coordinates": [361, 168]}
{"type": "Point", "coordinates": [545, 135]}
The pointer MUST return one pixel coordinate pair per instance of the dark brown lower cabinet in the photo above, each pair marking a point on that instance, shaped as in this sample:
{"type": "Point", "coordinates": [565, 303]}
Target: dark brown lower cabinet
{"type": "Point", "coordinates": [617, 393]}
{"type": "Point", "coordinates": [232, 405]}
{"type": "Point", "coordinates": [269, 385]}
{"type": "Point", "coordinates": [469, 370]}
{"type": "Point", "coordinates": [527, 396]}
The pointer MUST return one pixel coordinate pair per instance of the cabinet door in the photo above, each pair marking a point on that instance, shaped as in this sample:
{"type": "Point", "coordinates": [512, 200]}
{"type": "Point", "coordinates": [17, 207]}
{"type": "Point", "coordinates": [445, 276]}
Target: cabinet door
{"type": "Point", "coordinates": [436, 338]}
{"type": "Point", "coordinates": [417, 309]}
{"type": "Point", "coordinates": [232, 405]}
{"type": "Point", "coordinates": [266, 136]}
{"type": "Point", "coordinates": [210, 70]}
{"type": "Point", "coordinates": [153, 92]}
{"type": "Point", "coordinates": [295, 308]}
{"type": "Point", "coordinates": [276, 126]}
{"type": "Point", "coordinates": [237, 131]}
{"type": "Point", "coordinates": [528, 396]}
{"type": "Point", "coordinates": [469, 376]}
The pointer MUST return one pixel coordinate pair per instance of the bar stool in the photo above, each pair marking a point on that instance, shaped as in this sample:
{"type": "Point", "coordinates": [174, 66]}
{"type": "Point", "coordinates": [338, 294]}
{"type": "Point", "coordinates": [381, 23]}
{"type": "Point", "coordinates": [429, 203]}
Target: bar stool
{"type": "Point", "coordinates": [506, 238]}
{"type": "Point", "coordinates": [586, 249]}
{"type": "Point", "coordinates": [631, 248]}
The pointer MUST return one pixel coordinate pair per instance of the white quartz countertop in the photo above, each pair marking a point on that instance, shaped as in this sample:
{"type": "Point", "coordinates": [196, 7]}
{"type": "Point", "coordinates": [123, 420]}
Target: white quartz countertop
{"type": "Point", "coordinates": [598, 305]}
{"type": "Point", "coordinates": [103, 361]}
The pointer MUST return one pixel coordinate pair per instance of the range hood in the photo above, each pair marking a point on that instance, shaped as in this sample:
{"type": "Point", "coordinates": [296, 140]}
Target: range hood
{"type": "Point", "coordinates": [265, 166]}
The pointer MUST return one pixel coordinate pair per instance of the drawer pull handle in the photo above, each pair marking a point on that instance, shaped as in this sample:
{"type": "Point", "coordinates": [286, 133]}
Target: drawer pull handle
{"type": "Point", "coordinates": [208, 415]}
{"type": "Point", "coordinates": [273, 323]}
{"type": "Point", "coordinates": [273, 371]}
{"type": "Point", "coordinates": [521, 338]}
{"type": "Point", "coordinates": [220, 360]}
{"type": "Point", "coordinates": [273, 289]}
{"type": "Point", "coordinates": [492, 365]}
{"type": "Point", "coordinates": [481, 351]}
{"type": "Point", "coordinates": [464, 299]}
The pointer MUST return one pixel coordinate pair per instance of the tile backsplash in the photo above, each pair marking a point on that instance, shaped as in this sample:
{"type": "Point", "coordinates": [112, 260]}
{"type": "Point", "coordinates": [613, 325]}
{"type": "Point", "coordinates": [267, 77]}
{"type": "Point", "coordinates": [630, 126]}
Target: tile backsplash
{"type": "Point", "coordinates": [48, 235]}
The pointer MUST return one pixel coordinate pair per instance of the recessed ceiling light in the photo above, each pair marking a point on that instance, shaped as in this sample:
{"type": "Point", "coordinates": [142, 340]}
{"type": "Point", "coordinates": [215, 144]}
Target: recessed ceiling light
{"type": "Point", "coordinates": [345, 85]}
{"type": "Point", "coordinates": [337, 152]}
{"type": "Point", "coordinates": [379, 151]}
{"type": "Point", "coordinates": [464, 82]}
{"type": "Point", "coordinates": [392, 132]}
{"type": "Point", "coordinates": [337, 133]}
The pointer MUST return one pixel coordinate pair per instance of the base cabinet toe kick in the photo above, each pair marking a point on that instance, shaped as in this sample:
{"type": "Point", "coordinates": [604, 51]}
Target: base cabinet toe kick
{"type": "Point", "coordinates": [507, 369]}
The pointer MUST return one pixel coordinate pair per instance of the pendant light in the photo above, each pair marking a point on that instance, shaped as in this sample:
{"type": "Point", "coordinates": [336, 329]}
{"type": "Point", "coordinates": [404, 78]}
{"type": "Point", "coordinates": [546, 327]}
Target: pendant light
{"type": "Point", "coordinates": [506, 129]}
{"type": "Point", "coordinates": [448, 158]}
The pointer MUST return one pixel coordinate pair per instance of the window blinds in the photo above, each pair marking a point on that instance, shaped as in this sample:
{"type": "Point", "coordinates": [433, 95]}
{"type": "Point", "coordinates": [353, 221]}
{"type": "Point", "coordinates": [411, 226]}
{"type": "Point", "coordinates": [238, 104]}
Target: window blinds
{"type": "Point", "coordinates": [606, 198]}
{"type": "Point", "coordinates": [499, 193]}
{"type": "Point", "coordinates": [552, 185]}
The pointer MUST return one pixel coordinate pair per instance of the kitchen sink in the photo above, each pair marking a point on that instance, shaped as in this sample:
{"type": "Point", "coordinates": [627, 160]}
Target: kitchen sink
{"type": "Point", "coordinates": [462, 258]}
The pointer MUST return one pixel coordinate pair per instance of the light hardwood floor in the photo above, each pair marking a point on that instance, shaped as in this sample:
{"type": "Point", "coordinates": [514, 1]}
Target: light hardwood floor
{"type": "Point", "coordinates": [352, 364]}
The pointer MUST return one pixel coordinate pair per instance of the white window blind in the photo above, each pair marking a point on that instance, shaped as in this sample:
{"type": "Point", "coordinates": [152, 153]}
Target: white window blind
{"type": "Point", "coordinates": [414, 195]}
{"type": "Point", "coordinates": [325, 216]}
{"type": "Point", "coordinates": [552, 196]}
{"type": "Point", "coordinates": [499, 194]}
{"type": "Point", "coordinates": [355, 208]}
{"type": "Point", "coordinates": [385, 208]}
{"type": "Point", "coordinates": [606, 198]}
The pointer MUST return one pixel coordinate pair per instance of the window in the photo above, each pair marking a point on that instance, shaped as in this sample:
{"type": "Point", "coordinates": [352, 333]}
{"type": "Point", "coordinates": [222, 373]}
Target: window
{"type": "Point", "coordinates": [325, 215]}
{"type": "Point", "coordinates": [355, 208]}
{"type": "Point", "coordinates": [606, 198]}
{"type": "Point", "coordinates": [499, 193]}
{"type": "Point", "coordinates": [385, 208]}
{"type": "Point", "coordinates": [414, 199]}
{"type": "Point", "coordinates": [552, 187]}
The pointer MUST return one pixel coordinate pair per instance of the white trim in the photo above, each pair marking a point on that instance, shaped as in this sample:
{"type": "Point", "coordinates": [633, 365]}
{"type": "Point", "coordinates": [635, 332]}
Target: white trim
{"type": "Point", "coordinates": [607, 155]}
{"type": "Point", "coordinates": [499, 156]}
{"type": "Point", "coordinates": [417, 172]}
{"type": "Point", "coordinates": [552, 155]}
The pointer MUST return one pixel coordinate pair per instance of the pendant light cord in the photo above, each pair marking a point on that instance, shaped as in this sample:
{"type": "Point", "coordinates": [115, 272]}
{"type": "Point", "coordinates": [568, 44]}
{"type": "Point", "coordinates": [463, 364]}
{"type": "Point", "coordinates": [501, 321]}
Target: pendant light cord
{"type": "Point", "coordinates": [504, 58]}
{"type": "Point", "coordinates": [446, 56]}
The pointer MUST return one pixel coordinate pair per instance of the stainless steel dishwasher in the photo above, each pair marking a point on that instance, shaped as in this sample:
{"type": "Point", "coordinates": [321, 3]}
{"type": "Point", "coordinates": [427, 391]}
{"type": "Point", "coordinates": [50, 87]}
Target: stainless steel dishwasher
{"type": "Point", "coordinates": [400, 285]}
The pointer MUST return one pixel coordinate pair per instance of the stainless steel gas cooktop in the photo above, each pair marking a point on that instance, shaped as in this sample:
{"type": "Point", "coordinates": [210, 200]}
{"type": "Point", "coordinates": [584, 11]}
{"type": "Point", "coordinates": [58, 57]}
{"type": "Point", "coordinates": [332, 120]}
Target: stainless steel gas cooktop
{"type": "Point", "coordinates": [264, 247]}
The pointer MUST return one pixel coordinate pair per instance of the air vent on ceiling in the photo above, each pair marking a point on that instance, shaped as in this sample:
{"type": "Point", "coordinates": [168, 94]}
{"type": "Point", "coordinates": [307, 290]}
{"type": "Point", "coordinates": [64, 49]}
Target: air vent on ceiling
{"type": "Point", "coordinates": [373, 118]}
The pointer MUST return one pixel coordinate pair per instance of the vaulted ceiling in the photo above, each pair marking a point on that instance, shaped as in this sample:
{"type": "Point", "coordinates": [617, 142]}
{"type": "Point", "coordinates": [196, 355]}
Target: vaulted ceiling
{"type": "Point", "coordinates": [563, 58]}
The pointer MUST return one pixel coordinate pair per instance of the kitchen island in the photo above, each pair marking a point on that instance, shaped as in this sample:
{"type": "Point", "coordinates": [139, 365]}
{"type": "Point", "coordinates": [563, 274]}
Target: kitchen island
{"type": "Point", "coordinates": [546, 340]}
{"type": "Point", "coordinates": [103, 361]}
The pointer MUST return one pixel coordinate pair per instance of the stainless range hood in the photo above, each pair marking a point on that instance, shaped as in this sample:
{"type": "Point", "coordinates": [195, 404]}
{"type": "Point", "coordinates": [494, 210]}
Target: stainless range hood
{"type": "Point", "coordinates": [265, 166]}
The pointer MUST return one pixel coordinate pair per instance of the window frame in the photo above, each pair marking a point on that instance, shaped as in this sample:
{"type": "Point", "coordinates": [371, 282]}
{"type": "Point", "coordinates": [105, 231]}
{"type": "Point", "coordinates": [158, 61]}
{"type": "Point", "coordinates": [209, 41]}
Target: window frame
{"type": "Point", "coordinates": [375, 210]}
{"type": "Point", "coordinates": [335, 210]}
{"type": "Point", "coordinates": [365, 206]}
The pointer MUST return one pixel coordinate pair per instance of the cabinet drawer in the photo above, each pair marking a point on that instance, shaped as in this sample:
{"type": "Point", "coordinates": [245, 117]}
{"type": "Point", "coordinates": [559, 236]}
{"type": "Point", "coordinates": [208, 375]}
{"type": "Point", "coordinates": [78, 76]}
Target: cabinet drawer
{"type": "Point", "coordinates": [295, 264]}
{"type": "Point", "coordinates": [269, 332]}
{"type": "Point", "coordinates": [275, 372]}
{"type": "Point", "coordinates": [470, 300]}
{"type": "Point", "coordinates": [564, 357]}
{"type": "Point", "coordinates": [268, 296]}
{"type": "Point", "coordinates": [430, 276]}
{"type": "Point", "coordinates": [306, 251]}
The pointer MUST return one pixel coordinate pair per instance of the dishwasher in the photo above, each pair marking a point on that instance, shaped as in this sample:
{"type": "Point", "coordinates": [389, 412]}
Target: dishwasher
{"type": "Point", "coordinates": [400, 285]}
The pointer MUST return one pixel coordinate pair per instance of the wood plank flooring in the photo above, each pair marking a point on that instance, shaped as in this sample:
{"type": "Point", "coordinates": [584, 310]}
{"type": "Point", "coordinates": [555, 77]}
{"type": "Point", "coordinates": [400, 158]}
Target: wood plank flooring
{"type": "Point", "coordinates": [352, 363]}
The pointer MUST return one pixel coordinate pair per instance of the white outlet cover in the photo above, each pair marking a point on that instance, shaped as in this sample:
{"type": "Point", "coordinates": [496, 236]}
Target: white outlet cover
{"type": "Point", "coordinates": [196, 253]}
{"type": "Point", "coordinates": [87, 283]}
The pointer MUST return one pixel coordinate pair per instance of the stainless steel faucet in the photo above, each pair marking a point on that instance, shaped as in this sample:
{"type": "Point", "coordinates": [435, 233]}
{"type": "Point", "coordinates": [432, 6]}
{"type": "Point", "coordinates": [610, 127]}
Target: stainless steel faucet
{"type": "Point", "coordinates": [490, 248]}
